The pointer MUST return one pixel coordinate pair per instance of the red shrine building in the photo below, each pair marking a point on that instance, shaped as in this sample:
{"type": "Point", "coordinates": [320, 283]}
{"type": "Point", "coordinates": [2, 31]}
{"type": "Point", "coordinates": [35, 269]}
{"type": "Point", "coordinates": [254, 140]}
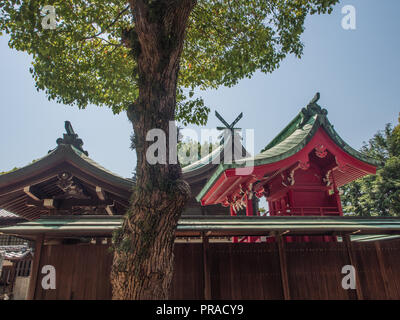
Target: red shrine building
{"type": "Point", "coordinates": [69, 206]}
{"type": "Point", "coordinates": [298, 173]}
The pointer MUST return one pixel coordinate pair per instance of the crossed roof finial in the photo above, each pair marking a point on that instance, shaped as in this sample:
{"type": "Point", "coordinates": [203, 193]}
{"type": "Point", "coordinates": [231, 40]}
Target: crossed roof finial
{"type": "Point", "coordinates": [228, 126]}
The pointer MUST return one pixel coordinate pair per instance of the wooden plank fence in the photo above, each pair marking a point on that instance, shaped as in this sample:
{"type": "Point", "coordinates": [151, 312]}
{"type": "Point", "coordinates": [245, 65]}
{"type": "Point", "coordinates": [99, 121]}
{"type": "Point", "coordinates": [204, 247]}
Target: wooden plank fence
{"type": "Point", "coordinates": [237, 271]}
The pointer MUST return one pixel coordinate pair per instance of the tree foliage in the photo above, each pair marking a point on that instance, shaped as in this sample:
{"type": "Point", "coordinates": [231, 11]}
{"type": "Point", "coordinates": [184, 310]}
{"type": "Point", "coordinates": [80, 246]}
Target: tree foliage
{"type": "Point", "coordinates": [378, 195]}
{"type": "Point", "coordinates": [150, 58]}
{"type": "Point", "coordinates": [87, 59]}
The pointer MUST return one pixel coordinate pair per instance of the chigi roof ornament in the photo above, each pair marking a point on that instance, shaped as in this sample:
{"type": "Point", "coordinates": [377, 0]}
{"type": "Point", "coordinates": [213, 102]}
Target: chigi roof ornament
{"type": "Point", "coordinates": [230, 127]}
{"type": "Point", "coordinates": [71, 138]}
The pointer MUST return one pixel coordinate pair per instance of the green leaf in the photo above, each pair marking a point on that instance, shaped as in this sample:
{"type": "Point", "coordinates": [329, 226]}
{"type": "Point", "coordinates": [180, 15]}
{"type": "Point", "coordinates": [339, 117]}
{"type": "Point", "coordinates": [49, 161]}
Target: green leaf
{"type": "Point", "coordinates": [83, 61]}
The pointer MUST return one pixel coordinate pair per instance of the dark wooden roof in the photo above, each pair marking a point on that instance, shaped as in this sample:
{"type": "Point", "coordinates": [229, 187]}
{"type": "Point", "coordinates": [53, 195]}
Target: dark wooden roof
{"type": "Point", "coordinates": [8, 218]}
{"type": "Point", "coordinates": [65, 180]}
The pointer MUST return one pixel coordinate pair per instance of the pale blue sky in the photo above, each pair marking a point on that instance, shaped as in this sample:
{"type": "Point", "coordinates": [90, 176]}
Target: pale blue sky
{"type": "Point", "coordinates": [357, 73]}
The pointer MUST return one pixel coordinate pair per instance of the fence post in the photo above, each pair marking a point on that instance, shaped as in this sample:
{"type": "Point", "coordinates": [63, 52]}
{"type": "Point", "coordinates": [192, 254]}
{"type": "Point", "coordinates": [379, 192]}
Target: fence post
{"type": "Point", "coordinates": [283, 267]}
{"type": "Point", "coordinates": [35, 268]}
{"type": "Point", "coordinates": [206, 269]}
{"type": "Point", "coordinates": [382, 269]}
{"type": "Point", "coordinates": [353, 262]}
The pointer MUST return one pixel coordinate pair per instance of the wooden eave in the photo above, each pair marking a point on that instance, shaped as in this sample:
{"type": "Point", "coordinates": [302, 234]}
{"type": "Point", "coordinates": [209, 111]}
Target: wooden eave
{"type": "Point", "coordinates": [65, 158]}
{"type": "Point", "coordinates": [197, 226]}
{"type": "Point", "coordinates": [293, 146]}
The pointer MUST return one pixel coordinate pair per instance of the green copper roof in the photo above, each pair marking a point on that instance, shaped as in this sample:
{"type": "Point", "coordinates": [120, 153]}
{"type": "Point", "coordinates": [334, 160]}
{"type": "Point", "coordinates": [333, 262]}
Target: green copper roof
{"type": "Point", "coordinates": [369, 238]}
{"type": "Point", "coordinates": [216, 156]}
{"type": "Point", "coordinates": [225, 146]}
{"type": "Point", "coordinates": [219, 226]}
{"type": "Point", "coordinates": [209, 158]}
{"type": "Point", "coordinates": [298, 122]}
{"type": "Point", "coordinates": [291, 140]}
{"type": "Point", "coordinates": [286, 132]}
{"type": "Point", "coordinates": [67, 224]}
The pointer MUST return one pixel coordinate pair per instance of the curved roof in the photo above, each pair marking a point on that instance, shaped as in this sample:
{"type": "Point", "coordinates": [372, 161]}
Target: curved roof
{"type": "Point", "coordinates": [64, 153]}
{"type": "Point", "coordinates": [292, 139]}
{"type": "Point", "coordinates": [299, 137]}
{"type": "Point", "coordinates": [27, 190]}
{"type": "Point", "coordinates": [211, 161]}
{"type": "Point", "coordinates": [209, 158]}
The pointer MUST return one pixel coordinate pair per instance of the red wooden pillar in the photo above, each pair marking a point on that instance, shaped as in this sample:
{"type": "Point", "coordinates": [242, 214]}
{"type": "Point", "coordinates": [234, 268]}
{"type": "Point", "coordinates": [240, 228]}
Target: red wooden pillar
{"type": "Point", "coordinates": [249, 207]}
{"type": "Point", "coordinates": [233, 214]}
{"type": "Point", "coordinates": [339, 203]}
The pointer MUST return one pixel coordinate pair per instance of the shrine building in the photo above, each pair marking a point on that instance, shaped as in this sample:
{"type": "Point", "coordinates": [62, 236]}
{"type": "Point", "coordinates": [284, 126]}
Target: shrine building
{"type": "Point", "coordinates": [298, 172]}
{"type": "Point", "coordinates": [68, 206]}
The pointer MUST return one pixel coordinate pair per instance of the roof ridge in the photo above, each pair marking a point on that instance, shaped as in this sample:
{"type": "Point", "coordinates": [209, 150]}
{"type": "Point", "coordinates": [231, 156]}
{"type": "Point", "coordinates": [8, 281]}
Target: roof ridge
{"type": "Point", "coordinates": [299, 121]}
{"type": "Point", "coordinates": [71, 138]}
{"type": "Point", "coordinates": [291, 140]}
{"type": "Point", "coordinates": [218, 153]}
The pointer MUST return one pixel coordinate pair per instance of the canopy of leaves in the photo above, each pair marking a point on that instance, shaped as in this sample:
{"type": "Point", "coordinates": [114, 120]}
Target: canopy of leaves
{"type": "Point", "coordinates": [83, 61]}
{"type": "Point", "coordinates": [380, 194]}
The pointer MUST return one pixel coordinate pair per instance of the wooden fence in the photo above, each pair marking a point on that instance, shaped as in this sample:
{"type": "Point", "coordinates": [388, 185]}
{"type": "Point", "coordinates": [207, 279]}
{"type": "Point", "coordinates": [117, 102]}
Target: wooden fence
{"type": "Point", "coordinates": [238, 271]}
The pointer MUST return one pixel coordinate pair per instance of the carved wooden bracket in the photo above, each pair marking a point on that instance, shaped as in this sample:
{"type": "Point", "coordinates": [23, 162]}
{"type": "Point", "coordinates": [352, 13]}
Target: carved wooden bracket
{"type": "Point", "coordinates": [341, 166]}
{"type": "Point", "coordinates": [320, 151]}
{"type": "Point", "coordinates": [328, 178]}
{"type": "Point", "coordinates": [70, 187]}
{"type": "Point", "coordinates": [304, 165]}
{"type": "Point", "coordinates": [247, 191]}
{"type": "Point", "coordinates": [288, 178]}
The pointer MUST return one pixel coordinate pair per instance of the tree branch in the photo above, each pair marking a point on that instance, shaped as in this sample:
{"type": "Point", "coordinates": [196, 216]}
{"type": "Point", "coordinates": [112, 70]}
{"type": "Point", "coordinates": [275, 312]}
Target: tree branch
{"type": "Point", "coordinates": [109, 26]}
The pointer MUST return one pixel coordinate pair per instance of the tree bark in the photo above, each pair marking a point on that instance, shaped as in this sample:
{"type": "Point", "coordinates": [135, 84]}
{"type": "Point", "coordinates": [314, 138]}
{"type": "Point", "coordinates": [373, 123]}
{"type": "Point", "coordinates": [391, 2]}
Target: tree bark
{"type": "Point", "coordinates": [143, 256]}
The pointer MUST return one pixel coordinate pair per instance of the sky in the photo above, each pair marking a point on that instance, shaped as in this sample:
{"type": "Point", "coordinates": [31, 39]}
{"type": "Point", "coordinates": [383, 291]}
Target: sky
{"type": "Point", "coordinates": [356, 71]}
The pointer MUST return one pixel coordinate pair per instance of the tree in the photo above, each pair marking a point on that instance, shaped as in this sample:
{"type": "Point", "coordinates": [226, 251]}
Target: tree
{"type": "Point", "coordinates": [148, 57]}
{"type": "Point", "coordinates": [378, 195]}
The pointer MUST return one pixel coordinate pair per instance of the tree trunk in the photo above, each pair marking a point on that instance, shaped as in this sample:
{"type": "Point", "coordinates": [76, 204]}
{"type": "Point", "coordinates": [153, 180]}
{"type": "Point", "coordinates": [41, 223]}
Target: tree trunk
{"type": "Point", "coordinates": [143, 256]}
